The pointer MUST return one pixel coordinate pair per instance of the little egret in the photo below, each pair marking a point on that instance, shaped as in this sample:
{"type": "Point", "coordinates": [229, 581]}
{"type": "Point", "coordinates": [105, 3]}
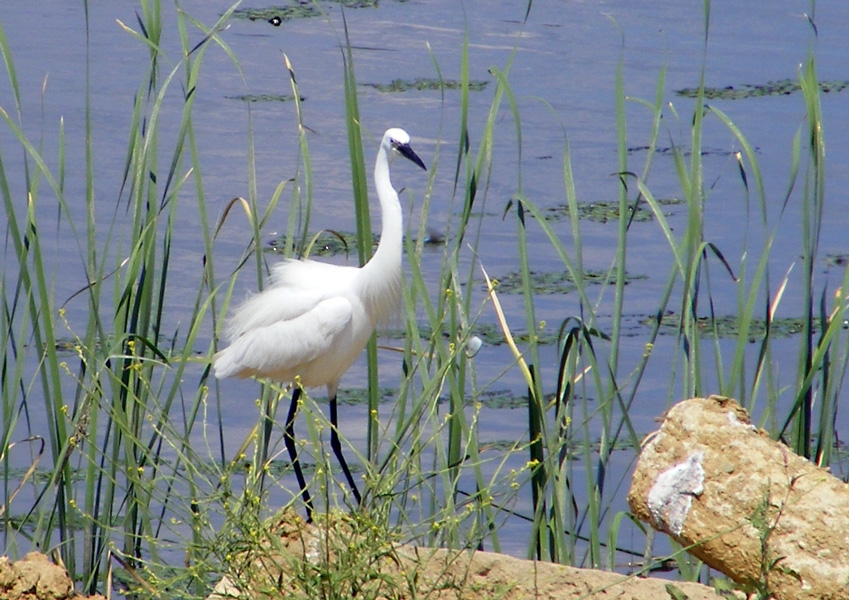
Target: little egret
{"type": "Point", "coordinates": [315, 318]}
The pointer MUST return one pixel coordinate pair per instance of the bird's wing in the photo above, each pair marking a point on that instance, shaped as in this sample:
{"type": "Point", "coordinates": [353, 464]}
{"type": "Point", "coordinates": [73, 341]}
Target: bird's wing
{"type": "Point", "coordinates": [311, 274]}
{"type": "Point", "coordinates": [273, 305]}
{"type": "Point", "coordinates": [277, 349]}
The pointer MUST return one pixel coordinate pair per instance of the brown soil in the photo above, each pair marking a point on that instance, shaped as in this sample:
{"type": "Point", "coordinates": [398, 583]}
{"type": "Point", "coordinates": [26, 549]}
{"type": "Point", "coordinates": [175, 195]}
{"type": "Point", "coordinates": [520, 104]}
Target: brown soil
{"type": "Point", "coordinates": [302, 560]}
{"type": "Point", "coordinates": [34, 577]}
{"type": "Point", "coordinates": [401, 573]}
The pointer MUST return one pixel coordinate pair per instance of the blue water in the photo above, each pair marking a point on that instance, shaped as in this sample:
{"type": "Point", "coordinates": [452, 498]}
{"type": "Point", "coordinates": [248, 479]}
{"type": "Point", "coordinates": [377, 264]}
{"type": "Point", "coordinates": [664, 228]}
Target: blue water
{"type": "Point", "coordinates": [564, 62]}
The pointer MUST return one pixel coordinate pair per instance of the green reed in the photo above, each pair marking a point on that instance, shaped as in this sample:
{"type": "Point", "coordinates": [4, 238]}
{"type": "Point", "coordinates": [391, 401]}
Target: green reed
{"type": "Point", "coordinates": [109, 390]}
{"type": "Point", "coordinates": [134, 441]}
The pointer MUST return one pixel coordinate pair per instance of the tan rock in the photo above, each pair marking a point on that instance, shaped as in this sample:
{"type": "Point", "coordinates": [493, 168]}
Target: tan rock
{"type": "Point", "coordinates": [33, 577]}
{"type": "Point", "coordinates": [744, 503]}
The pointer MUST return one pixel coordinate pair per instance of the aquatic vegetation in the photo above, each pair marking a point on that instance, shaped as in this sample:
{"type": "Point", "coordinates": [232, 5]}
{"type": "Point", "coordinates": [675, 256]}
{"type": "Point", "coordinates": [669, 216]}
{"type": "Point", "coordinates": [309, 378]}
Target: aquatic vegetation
{"type": "Point", "coordinates": [605, 211]}
{"type": "Point", "coordinates": [150, 452]}
{"type": "Point", "coordinates": [673, 150]}
{"type": "Point", "coordinates": [560, 282]}
{"type": "Point", "coordinates": [331, 242]}
{"type": "Point", "coordinates": [426, 83]}
{"type": "Point", "coordinates": [275, 15]}
{"type": "Point", "coordinates": [493, 335]}
{"type": "Point", "coordinates": [265, 98]}
{"type": "Point", "coordinates": [728, 326]}
{"type": "Point", "coordinates": [781, 87]}
{"type": "Point", "coordinates": [324, 243]}
{"type": "Point", "coordinates": [278, 14]}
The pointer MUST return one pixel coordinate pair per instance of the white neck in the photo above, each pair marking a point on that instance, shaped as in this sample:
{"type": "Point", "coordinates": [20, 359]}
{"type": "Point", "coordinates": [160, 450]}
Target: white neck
{"type": "Point", "coordinates": [381, 276]}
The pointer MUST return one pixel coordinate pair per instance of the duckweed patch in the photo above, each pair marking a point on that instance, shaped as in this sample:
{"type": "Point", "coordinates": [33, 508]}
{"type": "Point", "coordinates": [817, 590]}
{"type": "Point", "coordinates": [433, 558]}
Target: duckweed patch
{"type": "Point", "coordinates": [781, 87]}
{"type": "Point", "coordinates": [425, 83]}
{"type": "Point", "coordinates": [492, 335]}
{"type": "Point", "coordinates": [729, 326]}
{"type": "Point", "coordinates": [325, 243]}
{"type": "Point", "coordinates": [497, 399]}
{"type": "Point", "coordinates": [359, 396]}
{"type": "Point", "coordinates": [555, 282]}
{"type": "Point", "coordinates": [489, 333]}
{"type": "Point", "coordinates": [604, 211]}
{"type": "Point", "coordinates": [283, 468]}
{"type": "Point", "coordinates": [276, 15]}
{"type": "Point", "coordinates": [264, 98]}
{"type": "Point", "coordinates": [43, 475]}
{"type": "Point", "coordinates": [501, 399]}
{"type": "Point", "coordinates": [498, 446]}
{"type": "Point", "coordinates": [330, 242]}
{"type": "Point", "coordinates": [671, 150]}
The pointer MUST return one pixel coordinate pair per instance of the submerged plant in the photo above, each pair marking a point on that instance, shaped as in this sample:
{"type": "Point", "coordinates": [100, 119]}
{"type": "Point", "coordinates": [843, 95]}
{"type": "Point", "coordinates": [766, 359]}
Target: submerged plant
{"type": "Point", "coordinates": [423, 83]}
{"type": "Point", "coordinates": [782, 87]}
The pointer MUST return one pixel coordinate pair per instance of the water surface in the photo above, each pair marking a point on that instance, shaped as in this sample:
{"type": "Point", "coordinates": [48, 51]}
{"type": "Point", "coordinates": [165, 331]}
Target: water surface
{"type": "Point", "coordinates": [564, 62]}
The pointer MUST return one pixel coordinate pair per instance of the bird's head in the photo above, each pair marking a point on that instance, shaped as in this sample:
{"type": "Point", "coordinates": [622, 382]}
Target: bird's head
{"type": "Point", "coordinates": [397, 142]}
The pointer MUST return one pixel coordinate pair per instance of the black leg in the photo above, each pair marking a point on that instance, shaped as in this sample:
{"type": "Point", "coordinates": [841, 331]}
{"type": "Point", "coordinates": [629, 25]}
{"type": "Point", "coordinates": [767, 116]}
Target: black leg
{"type": "Point", "coordinates": [289, 438]}
{"type": "Point", "coordinates": [337, 448]}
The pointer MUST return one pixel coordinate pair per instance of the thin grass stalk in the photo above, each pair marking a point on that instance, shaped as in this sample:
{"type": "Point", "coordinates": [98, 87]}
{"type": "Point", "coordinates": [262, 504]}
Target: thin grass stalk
{"type": "Point", "coordinates": [200, 304]}
{"type": "Point", "coordinates": [420, 359]}
{"type": "Point", "coordinates": [449, 301]}
{"type": "Point", "coordinates": [735, 384]}
{"type": "Point", "coordinates": [92, 562]}
{"type": "Point", "coordinates": [140, 304]}
{"type": "Point", "coordinates": [14, 303]}
{"type": "Point", "coordinates": [304, 154]}
{"type": "Point", "coordinates": [36, 296]}
{"type": "Point", "coordinates": [813, 201]}
{"type": "Point", "coordinates": [460, 330]}
{"type": "Point", "coordinates": [361, 209]}
{"type": "Point", "coordinates": [656, 110]}
{"type": "Point", "coordinates": [622, 226]}
{"type": "Point", "coordinates": [97, 351]}
{"type": "Point", "coordinates": [477, 178]}
{"type": "Point", "coordinates": [452, 304]}
{"type": "Point", "coordinates": [831, 394]}
{"type": "Point", "coordinates": [296, 238]}
{"type": "Point", "coordinates": [564, 504]}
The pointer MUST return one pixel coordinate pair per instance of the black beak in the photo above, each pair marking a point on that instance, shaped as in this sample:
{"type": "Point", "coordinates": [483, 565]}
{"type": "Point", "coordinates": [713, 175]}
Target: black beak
{"type": "Point", "coordinates": [407, 152]}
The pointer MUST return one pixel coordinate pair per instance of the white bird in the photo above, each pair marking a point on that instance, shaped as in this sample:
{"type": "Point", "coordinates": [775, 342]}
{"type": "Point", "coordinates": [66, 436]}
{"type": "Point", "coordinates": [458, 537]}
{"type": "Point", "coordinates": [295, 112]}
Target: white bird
{"type": "Point", "coordinates": [315, 318]}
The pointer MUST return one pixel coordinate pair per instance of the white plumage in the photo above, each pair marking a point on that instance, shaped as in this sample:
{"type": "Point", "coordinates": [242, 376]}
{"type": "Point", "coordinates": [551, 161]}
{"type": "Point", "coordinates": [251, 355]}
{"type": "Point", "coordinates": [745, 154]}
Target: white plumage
{"type": "Point", "coordinates": [315, 318]}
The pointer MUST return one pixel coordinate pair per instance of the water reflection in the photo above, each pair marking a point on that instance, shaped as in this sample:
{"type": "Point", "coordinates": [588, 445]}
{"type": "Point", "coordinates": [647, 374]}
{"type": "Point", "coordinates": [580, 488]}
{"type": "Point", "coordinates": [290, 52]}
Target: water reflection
{"type": "Point", "coordinates": [563, 76]}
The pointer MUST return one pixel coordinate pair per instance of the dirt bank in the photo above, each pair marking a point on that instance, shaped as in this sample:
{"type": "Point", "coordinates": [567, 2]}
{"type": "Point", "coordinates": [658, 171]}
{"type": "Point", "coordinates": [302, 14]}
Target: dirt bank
{"type": "Point", "coordinates": [409, 573]}
{"type": "Point", "coordinates": [305, 561]}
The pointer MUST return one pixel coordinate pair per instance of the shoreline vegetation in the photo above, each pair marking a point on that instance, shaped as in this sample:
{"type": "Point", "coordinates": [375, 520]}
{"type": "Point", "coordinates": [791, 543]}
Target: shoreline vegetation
{"type": "Point", "coordinates": [129, 467]}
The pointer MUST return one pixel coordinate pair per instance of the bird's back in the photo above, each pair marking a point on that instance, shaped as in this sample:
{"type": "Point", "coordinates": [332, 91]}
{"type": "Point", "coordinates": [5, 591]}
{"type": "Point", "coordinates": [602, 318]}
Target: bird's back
{"type": "Point", "coordinates": [315, 318]}
{"type": "Point", "coordinates": [310, 323]}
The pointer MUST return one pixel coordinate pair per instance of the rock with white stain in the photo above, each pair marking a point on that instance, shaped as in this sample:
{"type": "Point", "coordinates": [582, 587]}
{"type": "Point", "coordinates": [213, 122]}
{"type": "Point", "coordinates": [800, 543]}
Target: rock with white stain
{"type": "Point", "coordinates": [744, 503]}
